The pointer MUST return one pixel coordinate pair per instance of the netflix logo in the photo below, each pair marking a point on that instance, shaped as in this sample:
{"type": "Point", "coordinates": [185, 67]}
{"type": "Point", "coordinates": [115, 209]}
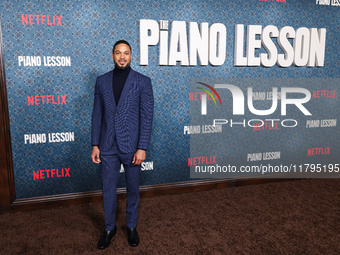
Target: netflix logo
{"type": "Point", "coordinates": [51, 173]}
{"type": "Point", "coordinates": [318, 151]}
{"type": "Point", "coordinates": [205, 160]}
{"type": "Point", "coordinates": [46, 99]}
{"type": "Point", "coordinates": [35, 19]}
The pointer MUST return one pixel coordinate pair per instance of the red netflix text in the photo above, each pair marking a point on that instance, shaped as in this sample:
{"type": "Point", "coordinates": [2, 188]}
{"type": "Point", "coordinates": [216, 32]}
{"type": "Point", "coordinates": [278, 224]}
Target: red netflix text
{"type": "Point", "coordinates": [46, 99]}
{"type": "Point", "coordinates": [194, 96]}
{"type": "Point", "coordinates": [265, 126]}
{"type": "Point", "coordinates": [318, 151]}
{"type": "Point", "coordinates": [201, 160]}
{"type": "Point", "coordinates": [35, 19]}
{"type": "Point", "coordinates": [323, 93]}
{"type": "Point", "coordinates": [51, 173]}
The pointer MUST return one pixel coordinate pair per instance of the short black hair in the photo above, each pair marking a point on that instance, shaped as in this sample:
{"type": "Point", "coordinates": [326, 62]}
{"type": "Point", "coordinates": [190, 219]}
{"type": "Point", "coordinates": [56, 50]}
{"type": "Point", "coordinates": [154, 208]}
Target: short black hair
{"type": "Point", "coordinates": [120, 42]}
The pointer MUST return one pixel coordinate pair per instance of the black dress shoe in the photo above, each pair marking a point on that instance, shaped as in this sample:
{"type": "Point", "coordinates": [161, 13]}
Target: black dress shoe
{"type": "Point", "coordinates": [133, 237]}
{"type": "Point", "coordinates": [105, 239]}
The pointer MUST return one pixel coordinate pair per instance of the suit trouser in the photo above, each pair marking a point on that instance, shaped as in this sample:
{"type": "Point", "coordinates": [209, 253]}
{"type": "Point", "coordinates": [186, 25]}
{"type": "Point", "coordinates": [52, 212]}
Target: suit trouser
{"type": "Point", "coordinates": [110, 168]}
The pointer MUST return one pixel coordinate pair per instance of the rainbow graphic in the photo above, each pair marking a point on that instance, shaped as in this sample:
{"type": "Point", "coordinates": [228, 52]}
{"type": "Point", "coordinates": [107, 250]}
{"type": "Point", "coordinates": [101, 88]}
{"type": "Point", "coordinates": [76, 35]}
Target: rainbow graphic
{"type": "Point", "coordinates": [209, 93]}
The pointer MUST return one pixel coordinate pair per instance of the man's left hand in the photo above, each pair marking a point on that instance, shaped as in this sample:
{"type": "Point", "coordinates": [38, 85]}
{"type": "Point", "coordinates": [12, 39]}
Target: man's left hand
{"type": "Point", "coordinates": [139, 157]}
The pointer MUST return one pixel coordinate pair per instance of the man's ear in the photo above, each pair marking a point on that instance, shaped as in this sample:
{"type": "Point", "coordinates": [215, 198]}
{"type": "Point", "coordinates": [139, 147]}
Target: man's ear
{"type": "Point", "coordinates": [112, 56]}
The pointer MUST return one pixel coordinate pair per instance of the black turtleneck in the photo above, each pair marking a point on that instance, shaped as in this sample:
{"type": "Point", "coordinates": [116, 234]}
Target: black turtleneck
{"type": "Point", "coordinates": [118, 81]}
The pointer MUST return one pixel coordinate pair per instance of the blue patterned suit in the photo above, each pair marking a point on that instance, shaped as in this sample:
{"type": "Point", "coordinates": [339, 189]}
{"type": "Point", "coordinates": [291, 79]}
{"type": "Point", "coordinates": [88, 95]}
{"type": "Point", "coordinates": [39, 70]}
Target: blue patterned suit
{"type": "Point", "coordinates": [119, 130]}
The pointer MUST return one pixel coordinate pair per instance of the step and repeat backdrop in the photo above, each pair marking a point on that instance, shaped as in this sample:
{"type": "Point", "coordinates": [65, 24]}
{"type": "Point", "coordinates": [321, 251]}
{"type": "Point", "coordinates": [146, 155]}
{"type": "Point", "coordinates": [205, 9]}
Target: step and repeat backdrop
{"type": "Point", "coordinates": [242, 88]}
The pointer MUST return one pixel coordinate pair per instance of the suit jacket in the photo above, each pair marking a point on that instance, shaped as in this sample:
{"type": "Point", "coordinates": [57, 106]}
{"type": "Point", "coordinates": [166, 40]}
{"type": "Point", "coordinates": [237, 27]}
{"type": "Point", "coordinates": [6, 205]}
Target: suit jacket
{"type": "Point", "coordinates": [130, 121]}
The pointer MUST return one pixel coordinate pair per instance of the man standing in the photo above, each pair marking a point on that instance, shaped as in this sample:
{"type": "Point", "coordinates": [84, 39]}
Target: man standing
{"type": "Point", "coordinates": [121, 128]}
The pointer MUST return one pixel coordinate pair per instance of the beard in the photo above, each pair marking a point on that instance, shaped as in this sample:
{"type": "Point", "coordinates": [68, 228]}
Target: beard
{"type": "Point", "coordinates": [122, 67]}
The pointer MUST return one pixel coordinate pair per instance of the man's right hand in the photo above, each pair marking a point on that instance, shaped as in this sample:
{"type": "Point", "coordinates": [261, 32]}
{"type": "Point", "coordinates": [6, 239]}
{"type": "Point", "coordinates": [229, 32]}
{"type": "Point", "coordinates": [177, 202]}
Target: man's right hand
{"type": "Point", "coordinates": [95, 155]}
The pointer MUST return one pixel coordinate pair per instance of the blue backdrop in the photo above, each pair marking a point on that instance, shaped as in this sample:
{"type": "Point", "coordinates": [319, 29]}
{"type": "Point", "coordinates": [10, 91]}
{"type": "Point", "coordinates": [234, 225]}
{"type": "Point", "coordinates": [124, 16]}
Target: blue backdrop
{"type": "Point", "coordinates": [88, 31]}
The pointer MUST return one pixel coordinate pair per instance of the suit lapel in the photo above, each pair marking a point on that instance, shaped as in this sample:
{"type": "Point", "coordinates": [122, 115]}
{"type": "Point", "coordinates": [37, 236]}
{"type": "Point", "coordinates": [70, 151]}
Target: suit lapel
{"type": "Point", "coordinates": [128, 84]}
{"type": "Point", "coordinates": [110, 89]}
